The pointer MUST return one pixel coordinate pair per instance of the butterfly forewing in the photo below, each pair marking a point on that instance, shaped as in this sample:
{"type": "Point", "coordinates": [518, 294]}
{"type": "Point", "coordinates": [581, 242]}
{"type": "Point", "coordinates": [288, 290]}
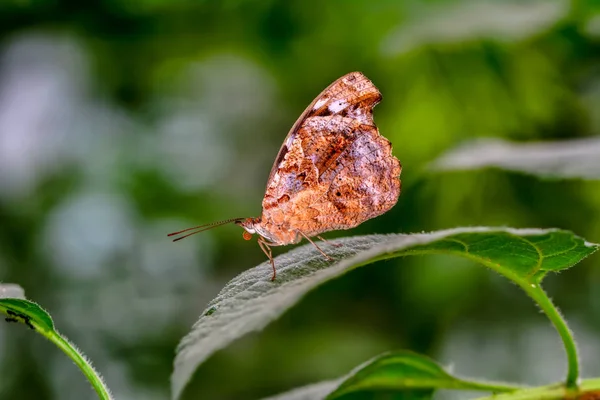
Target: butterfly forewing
{"type": "Point", "coordinates": [353, 93]}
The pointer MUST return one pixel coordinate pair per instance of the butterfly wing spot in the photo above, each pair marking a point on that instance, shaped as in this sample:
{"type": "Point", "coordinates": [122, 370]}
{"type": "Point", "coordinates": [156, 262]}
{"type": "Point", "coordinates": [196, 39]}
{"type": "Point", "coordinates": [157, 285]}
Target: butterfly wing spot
{"type": "Point", "coordinates": [337, 106]}
{"type": "Point", "coordinates": [320, 103]}
{"type": "Point", "coordinates": [283, 199]}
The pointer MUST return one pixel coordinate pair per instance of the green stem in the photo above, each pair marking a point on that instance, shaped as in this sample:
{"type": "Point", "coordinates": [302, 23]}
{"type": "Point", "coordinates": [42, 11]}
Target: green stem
{"type": "Point", "coordinates": [80, 360]}
{"type": "Point", "coordinates": [550, 392]}
{"type": "Point", "coordinates": [536, 292]}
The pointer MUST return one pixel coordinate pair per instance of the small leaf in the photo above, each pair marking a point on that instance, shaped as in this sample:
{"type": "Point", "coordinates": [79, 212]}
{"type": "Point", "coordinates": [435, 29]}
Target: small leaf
{"type": "Point", "coordinates": [36, 318]}
{"type": "Point", "coordinates": [568, 159]}
{"type": "Point", "coordinates": [27, 312]}
{"type": "Point", "coordinates": [412, 375]}
{"type": "Point", "coordinates": [250, 301]}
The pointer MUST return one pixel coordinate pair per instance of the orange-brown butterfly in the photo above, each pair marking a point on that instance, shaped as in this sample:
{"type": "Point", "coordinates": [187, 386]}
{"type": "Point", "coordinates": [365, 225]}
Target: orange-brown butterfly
{"type": "Point", "coordinates": [333, 171]}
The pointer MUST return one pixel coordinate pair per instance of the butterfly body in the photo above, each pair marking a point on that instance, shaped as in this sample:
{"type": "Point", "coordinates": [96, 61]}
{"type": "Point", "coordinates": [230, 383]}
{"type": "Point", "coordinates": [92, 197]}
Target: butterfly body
{"type": "Point", "coordinates": [333, 171]}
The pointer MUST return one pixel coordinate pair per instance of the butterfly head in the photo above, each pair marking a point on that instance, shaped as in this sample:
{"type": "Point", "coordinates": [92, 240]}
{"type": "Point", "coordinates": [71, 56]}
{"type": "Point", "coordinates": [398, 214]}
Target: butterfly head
{"type": "Point", "coordinates": [250, 225]}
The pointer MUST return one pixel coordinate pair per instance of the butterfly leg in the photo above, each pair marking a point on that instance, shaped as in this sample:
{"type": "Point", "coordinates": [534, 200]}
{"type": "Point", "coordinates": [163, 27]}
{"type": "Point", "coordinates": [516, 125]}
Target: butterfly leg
{"type": "Point", "coordinates": [314, 244]}
{"type": "Point", "coordinates": [267, 250]}
{"type": "Point", "coordinates": [329, 243]}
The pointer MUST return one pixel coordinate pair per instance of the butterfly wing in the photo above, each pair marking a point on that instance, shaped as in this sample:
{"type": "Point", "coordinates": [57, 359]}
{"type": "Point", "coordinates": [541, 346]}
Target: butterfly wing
{"type": "Point", "coordinates": [334, 170]}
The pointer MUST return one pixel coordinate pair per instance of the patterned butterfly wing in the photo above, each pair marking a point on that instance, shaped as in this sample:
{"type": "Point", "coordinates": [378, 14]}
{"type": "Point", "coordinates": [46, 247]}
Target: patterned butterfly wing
{"type": "Point", "coordinates": [334, 170]}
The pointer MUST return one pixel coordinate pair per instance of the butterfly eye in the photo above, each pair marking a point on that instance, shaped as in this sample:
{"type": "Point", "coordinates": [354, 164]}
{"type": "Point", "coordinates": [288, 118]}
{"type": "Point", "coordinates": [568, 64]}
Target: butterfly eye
{"type": "Point", "coordinates": [247, 235]}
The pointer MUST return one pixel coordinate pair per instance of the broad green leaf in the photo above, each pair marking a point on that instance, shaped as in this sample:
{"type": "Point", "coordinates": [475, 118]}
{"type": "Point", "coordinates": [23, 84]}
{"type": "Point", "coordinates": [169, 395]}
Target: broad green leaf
{"type": "Point", "coordinates": [35, 317]}
{"type": "Point", "coordinates": [403, 373]}
{"type": "Point", "coordinates": [250, 301]}
{"type": "Point", "coordinates": [568, 159]}
{"type": "Point", "coordinates": [468, 20]}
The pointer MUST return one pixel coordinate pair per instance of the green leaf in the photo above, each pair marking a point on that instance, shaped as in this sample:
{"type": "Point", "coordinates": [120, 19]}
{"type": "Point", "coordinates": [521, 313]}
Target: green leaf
{"type": "Point", "coordinates": [27, 312]}
{"type": "Point", "coordinates": [250, 301]}
{"type": "Point", "coordinates": [567, 159]}
{"type": "Point", "coordinates": [36, 318]}
{"type": "Point", "coordinates": [406, 371]}
{"type": "Point", "coordinates": [402, 374]}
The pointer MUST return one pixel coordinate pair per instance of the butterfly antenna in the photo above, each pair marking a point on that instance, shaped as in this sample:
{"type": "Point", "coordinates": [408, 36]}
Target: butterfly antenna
{"type": "Point", "coordinates": [202, 228]}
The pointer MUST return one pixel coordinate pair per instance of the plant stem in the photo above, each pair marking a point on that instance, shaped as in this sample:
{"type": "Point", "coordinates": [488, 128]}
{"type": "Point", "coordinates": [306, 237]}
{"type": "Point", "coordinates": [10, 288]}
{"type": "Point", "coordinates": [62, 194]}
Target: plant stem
{"type": "Point", "coordinates": [550, 392]}
{"type": "Point", "coordinates": [80, 360]}
{"type": "Point", "coordinates": [536, 292]}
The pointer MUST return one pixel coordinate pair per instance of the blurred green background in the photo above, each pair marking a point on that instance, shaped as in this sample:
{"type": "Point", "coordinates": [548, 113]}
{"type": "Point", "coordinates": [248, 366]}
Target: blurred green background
{"type": "Point", "coordinates": [122, 121]}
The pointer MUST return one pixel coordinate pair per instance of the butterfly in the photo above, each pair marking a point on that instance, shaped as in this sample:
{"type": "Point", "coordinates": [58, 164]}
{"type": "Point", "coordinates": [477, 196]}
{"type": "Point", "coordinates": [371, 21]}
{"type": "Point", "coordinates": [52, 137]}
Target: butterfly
{"type": "Point", "coordinates": [333, 171]}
